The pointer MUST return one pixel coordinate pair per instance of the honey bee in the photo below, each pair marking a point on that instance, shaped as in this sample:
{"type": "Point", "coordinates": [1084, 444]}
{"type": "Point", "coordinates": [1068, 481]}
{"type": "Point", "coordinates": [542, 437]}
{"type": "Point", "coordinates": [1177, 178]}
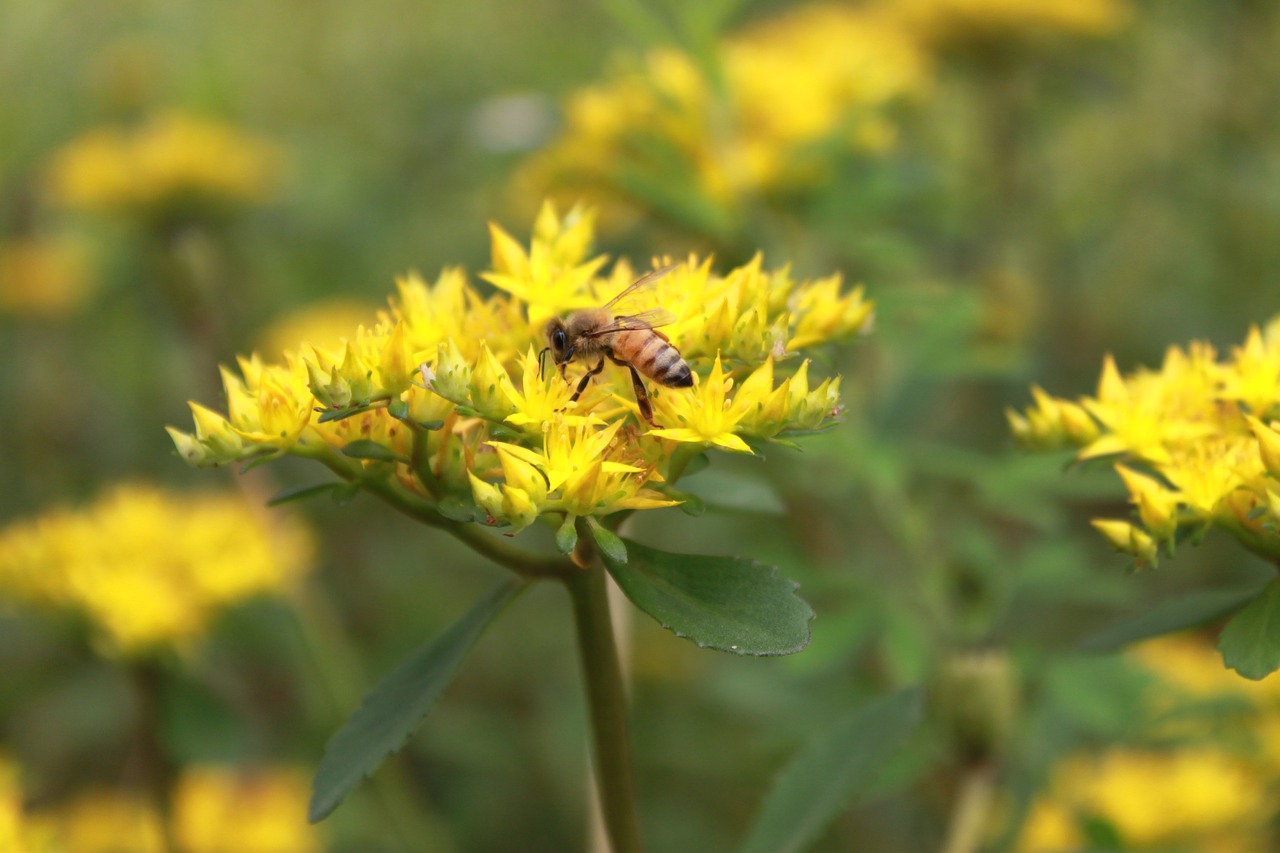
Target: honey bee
{"type": "Point", "coordinates": [625, 339]}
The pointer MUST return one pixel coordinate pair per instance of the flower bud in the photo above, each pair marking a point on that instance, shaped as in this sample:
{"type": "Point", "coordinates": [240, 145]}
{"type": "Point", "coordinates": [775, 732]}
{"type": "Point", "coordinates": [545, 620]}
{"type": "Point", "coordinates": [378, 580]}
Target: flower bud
{"type": "Point", "coordinates": [1127, 538]}
{"type": "Point", "coordinates": [976, 697]}
{"type": "Point", "coordinates": [1268, 445]}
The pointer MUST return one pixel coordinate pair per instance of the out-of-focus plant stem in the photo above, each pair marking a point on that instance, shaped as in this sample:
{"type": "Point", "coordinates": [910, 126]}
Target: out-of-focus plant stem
{"type": "Point", "coordinates": [972, 810]}
{"type": "Point", "coordinates": [158, 772]}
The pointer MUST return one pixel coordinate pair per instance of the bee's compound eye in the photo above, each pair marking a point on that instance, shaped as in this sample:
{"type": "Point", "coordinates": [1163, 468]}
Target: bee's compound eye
{"type": "Point", "coordinates": [558, 340]}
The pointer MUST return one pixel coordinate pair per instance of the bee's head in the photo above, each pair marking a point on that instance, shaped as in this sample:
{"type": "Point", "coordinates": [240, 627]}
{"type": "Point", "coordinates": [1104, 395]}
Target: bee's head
{"type": "Point", "coordinates": [558, 341]}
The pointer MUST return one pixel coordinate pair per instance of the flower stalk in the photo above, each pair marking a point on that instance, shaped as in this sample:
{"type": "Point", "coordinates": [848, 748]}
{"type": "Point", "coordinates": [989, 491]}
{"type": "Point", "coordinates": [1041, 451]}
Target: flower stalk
{"type": "Point", "coordinates": [606, 696]}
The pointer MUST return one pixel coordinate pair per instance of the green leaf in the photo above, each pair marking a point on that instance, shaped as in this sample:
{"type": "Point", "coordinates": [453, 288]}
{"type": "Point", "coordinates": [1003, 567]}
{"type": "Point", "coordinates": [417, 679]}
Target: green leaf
{"type": "Point", "coordinates": [820, 782]}
{"type": "Point", "coordinates": [728, 603]}
{"type": "Point", "coordinates": [1165, 617]}
{"type": "Point", "coordinates": [260, 459]}
{"type": "Point", "coordinates": [393, 709]}
{"type": "Point", "coordinates": [345, 493]}
{"type": "Point", "coordinates": [1250, 642]}
{"type": "Point", "coordinates": [610, 543]}
{"type": "Point", "coordinates": [299, 493]}
{"type": "Point", "coordinates": [365, 448]}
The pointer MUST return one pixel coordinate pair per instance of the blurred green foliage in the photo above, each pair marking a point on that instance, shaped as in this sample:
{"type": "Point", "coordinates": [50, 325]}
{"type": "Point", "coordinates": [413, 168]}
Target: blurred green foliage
{"type": "Point", "coordinates": [1043, 206]}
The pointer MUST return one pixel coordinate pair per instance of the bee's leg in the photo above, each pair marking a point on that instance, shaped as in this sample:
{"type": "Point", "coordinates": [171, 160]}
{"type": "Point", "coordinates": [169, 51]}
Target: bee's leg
{"type": "Point", "coordinates": [586, 379]}
{"type": "Point", "coordinates": [642, 396]}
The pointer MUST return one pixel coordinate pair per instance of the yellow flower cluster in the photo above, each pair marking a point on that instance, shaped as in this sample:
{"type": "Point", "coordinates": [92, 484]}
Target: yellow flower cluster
{"type": "Point", "coordinates": [1151, 799]}
{"type": "Point", "coordinates": [215, 810]}
{"type": "Point", "coordinates": [149, 568]}
{"type": "Point", "coordinates": [1207, 794]}
{"type": "Point", "coordinates": [951, 21]}
{"type": "Point", "coordinates": [45, 276]}
{"type": "Point", "coordinates": [1195, 443]}
{"type": "Point", "coordinates": [172, 162]}
{"type": "Point", "coordinates": [817, 75]}
{"type": "Point", "coordinates": [449, 403]}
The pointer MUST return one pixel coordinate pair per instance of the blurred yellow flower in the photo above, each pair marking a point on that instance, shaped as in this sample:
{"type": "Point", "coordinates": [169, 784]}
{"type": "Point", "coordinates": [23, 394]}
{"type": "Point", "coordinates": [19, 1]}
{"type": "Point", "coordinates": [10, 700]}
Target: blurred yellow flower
{"type": "Point", "coordinates": [784, 95]}
{"type": "Point", "coordinates": [1193, 798]}
{"type": "Point", "coordinates": [1191, 669]}
{"type": "Point", "coordinates": [100, 822]}
{"type": "Point", "coordinates": [44, 276]}
{"type": "Point", "coordinates": [150, 568]}
{"type": "Point", "coordinates": [11, 821]}
{"type": "Point", "coordinates": [221, 810]}
{"type": "Point", "coordinates": [449, 398]}
{"type": "Point", "coordinates": [215, 810]}
{"type": "Point", "coordinates": [952, 21]}
{"type": "Point", "coordinates": [172, 163]}
{"type": "Point", "coordinates": [326, 325]}
{"type": "Point", "coordinates": [1207, 794]}
{"type": "Point", "coordinates": [1195, 437]}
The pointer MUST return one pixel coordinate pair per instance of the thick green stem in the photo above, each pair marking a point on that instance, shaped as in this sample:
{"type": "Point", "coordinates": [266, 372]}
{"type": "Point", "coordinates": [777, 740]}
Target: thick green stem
{"type": "Point", "coordinates": [606, 705]}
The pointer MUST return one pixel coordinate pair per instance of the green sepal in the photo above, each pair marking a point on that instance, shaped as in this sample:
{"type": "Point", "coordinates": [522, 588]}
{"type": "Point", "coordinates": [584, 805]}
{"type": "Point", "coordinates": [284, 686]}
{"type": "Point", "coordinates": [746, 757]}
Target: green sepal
{"type": "Point", "coordinates": [827, 427]}
{"type": "Point", "coordinates": [455, 508]}
{"type": "Point", "coordinates": [728, 603]}
{"type": "Point", "coordinates": [567, 536]}
{"type": "Point", "coordinates": [1250, 642]}
{"type": "Point", "coordinates": [398, 409]}
{"type": "Point", "coordinates": [690, 504]}
{"type": "Point", "coordinates": [609, 543]}
{"type": "Point", "coordinates": [366, 448]}
{"type": "Point", "coordinates": [394, 708]}
{"type": "Point", "coordinates": [340, 414]}
{"type": "Point", "coordinates": [824, 779]}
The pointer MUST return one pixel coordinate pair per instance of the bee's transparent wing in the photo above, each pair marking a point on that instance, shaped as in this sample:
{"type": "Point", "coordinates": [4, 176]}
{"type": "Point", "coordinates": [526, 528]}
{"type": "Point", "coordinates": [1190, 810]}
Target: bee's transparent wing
{"type": "Point", "coordinates": [619, 303]}
{"type": "Point", "coordinates": [650, 319]}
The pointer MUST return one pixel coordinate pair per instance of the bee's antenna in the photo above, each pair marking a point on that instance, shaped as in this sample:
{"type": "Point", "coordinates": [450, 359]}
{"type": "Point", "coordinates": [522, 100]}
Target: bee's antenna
{"type": "Point", "coordinates": [542, 362]}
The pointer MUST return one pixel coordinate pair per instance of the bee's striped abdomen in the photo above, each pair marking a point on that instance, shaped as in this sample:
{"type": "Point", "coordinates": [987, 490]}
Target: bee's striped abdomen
{"type": "Point", "coordinates": [656, 358]}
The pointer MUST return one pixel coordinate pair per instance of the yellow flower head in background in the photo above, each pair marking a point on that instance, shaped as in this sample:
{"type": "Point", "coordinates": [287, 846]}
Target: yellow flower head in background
{"type": "Point", "coordinates": [11, 820]}
{"type": "Point", "coordinates": [1152, 800]}
{"type": "Point", "coordinates": [1205, 789]}
{"type": "Point", "coordinates": [783, 93]}
{"type": "Point", "coordinates": [44, 276]}
{"type": "Point", "coordinates": [215, 810]}
{"type": "Point", "coordinates": [964, 21]}
{"type": "Point", "coordinates": [1195, 442]}
{"type": "Point", "coordinates": [449, 401]}
{"type": "Point", "coordinates": [150, 568]}
{"type": "Point", "coordinates": [171, 163]}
